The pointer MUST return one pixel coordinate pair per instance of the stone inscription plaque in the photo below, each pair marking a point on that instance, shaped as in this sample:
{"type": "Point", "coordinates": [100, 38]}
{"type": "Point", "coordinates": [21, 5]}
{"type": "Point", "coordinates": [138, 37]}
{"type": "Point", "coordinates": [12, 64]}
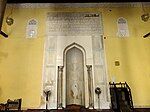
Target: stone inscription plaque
{"type": "Point", "coordinates": [68, 23]}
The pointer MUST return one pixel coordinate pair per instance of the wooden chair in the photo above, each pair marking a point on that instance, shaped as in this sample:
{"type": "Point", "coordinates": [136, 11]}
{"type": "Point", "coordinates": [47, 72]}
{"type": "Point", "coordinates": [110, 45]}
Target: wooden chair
{"type": "Point", "coordinates": [2, 106]}
{"type": "Point", "coordinates": [13, 104]}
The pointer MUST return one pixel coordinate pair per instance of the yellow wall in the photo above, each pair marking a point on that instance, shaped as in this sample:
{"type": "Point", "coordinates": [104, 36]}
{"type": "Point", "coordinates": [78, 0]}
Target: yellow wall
{"type": "Point", "coordinates": [21, 59]}
{"type": "Point", "coordinates": [132, 53]}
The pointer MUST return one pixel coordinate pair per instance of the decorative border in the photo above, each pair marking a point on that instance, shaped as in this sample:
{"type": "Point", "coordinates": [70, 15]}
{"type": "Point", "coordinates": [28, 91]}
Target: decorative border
{"type": "Point", "coordinates": [78, 5]}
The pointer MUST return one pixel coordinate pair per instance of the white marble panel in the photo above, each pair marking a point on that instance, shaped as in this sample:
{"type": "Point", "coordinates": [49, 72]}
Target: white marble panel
{"type": "Point", "coordinates": [99, 74]}
{"type": "Point", "coordinates": [96, 41]}
{"type": "Point", "coordinates": [51, 43]}
{"type": "Point", "coordinates": [50, 74]}
{"type": "Point", "coordinates": [50, 58]}
{"type": "Point", "coordinates": [98, 59]}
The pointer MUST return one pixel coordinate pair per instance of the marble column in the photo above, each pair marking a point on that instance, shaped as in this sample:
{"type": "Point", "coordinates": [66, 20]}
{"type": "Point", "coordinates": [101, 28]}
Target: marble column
{"type": "Point", "coordinates": [90, 86]}
{"type": "Point", "coordinates": [59, 87]}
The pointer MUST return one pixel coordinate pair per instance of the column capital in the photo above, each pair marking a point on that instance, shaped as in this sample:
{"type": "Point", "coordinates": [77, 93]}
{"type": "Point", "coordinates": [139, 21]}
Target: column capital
{"type": "Point", "coordinates": [60, 68]}
{"type": "Point", "coordinates": [89, 67]}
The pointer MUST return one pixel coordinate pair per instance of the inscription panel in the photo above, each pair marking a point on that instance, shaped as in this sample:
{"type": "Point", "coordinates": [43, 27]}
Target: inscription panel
{"type": "Point", "coordinates": [74, 23]}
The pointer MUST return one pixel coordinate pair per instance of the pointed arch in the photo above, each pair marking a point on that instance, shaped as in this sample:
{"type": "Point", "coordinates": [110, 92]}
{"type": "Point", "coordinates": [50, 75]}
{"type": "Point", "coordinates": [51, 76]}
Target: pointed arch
{"type": "Point", "coordinates": [71, 46]}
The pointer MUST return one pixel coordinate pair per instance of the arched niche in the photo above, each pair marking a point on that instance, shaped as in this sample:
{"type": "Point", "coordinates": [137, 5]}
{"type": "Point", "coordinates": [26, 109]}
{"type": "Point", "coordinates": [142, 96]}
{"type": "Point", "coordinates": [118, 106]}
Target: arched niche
{"type": "Point", "coordinates": [74, 77]}
{"type": "Point", "coordinates": [75, 73]}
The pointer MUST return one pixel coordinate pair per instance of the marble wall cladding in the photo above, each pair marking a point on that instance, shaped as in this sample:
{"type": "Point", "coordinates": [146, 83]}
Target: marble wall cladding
{"type": "Point", "coordinates": [51, 43]}
{"type": "Point", "coordinates": [97, 44]}
{"type": "Point", "coordinates": [75, 38]}
{"type": "Point", "coordinates": [98, 58]}
{"type": "Point", "coordinates": [51, 58]}
{"type": "Point", "coordinates": [49, 73]}
{"type": "Point", "coordinates": [100, 79]}
{"type": "Point", "coordinates": [99, 73]}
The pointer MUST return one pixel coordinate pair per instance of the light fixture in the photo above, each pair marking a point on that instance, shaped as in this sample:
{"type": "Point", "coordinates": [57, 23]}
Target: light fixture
{"type": "Point", "coordinates": [145, 17]}
{"type": "Point", "coordinates": [9, 19]}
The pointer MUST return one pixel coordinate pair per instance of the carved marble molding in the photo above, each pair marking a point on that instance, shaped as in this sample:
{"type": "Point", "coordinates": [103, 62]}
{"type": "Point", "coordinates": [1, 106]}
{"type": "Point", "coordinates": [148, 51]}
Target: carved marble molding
{"type": "Point", "coordinates": [59, 90]}
{"type": "Point", "coordinates": [78, 5]}
{"type": "Point", "coordinates": [90, 86]}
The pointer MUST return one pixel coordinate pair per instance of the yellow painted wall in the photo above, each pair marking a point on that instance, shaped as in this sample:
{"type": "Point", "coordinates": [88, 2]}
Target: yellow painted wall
{"type": "Point", "coordinates": [132, 52]}
{"type": "Point", "coordinates": [21, 59]}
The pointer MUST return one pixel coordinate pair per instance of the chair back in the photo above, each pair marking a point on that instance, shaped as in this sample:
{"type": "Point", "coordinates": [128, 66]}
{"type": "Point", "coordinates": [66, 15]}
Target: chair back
{"type": "Point", "coordinates": [13, 104]}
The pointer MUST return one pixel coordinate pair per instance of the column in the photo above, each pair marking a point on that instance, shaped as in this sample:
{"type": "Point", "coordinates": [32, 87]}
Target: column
{"type": "Point", "coordinates": [90, 86]}
{"type": "Point", "coordinates": [59, 87]}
